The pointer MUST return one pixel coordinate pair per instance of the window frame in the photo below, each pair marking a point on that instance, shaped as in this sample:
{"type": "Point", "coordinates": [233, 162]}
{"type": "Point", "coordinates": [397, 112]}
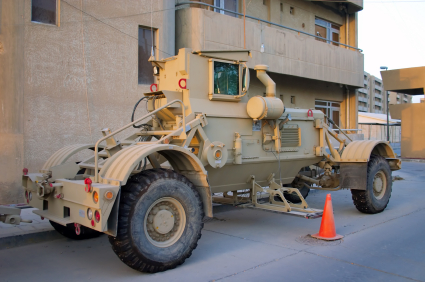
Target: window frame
{"type": "Point", "coordinates": [329, 30]}
{"type": "Point", "coordinates": [155, 47]}
{"type": "Point", "coordinates": [222, 7]}
{"type": "Point", "coordinates": [223, 97]}
{"type": "Point", "coordinates": [329, 108]}
{"type": "Point", "coordinates": [57, 12]}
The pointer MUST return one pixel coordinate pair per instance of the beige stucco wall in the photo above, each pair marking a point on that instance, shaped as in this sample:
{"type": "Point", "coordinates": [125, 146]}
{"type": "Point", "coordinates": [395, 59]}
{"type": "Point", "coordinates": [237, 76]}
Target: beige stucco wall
{"type": "Point", "coordinates": [412, 133]}
{"type": "Point", "coordinates": [71, 81]}
{"type": "Point", "coordinates": [11, 100]}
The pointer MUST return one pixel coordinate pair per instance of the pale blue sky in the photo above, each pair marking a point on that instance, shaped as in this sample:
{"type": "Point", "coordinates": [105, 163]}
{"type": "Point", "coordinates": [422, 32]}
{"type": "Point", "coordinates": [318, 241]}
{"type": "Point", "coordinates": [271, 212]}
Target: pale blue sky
{"type": "Point", "coordinates": [392, 34]}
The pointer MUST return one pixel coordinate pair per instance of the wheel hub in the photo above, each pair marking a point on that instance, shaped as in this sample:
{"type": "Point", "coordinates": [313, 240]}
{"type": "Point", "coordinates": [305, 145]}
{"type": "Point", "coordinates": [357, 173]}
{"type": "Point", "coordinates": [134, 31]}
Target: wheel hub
{"type": "Point", "coordinates": [163, 223]}
{"type": "Point", "coordinates": [379, 185]}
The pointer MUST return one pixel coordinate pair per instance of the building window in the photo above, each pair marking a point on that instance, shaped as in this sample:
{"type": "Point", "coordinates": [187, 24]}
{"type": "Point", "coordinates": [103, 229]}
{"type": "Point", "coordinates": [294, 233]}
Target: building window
{"type": "Point", "coordinates": [146, 38]}
{"type": "Point", "coordinates": [281, 6]}
{"type": "Point", "coordinates": [44, 11]}
{"type": "Point", "coordinates": [329, 108]}
{"type": "Point", "coordinates": [292, 10]}
{"type": "Point", "coordinates": [231, 5]}
{"type": "Point", "coordinates": [328, 31]}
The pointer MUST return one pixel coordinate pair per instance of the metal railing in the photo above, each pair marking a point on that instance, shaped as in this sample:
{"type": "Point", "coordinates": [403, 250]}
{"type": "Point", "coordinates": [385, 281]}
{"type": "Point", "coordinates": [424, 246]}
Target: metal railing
{"type": "Point", "coordinates": [96, 147]}
{"type": "Point", "coordinates": [264, 21]}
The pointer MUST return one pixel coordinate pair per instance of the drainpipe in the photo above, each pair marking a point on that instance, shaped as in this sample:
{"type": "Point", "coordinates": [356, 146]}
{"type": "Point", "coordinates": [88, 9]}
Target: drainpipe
{"type": "Point", "coordinates": [347, 23]}
{"type": "Point", "coordinates": [347, 110]}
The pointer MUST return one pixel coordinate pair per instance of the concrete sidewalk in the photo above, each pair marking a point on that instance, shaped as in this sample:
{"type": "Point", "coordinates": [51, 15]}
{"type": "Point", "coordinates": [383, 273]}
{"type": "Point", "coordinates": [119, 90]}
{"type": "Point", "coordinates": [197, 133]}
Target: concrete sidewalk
{"type": "Point", "coordinates": [26, 233]}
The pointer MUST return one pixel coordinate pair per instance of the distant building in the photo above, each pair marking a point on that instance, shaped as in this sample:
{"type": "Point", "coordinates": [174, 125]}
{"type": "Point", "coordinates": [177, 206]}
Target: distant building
{"type": "Point", "coordinates": [399, 98]}
{"type": "Point", "coordinates": [377, 96]}
{"type": "Point", "coordinates": [422, 100]}
{"type": "Point", "coordinates": [363, 97]}
{"type": "Point", "coordinates": [371, 97]}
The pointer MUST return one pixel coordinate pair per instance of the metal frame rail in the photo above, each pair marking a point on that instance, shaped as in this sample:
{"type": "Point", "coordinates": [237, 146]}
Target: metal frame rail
{"type": "Point", "coordinates": [96, 147]}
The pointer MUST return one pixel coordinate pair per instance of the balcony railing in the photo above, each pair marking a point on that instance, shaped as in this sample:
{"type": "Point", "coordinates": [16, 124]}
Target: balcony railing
{"type": "Point", "coordinates": [264, 21]}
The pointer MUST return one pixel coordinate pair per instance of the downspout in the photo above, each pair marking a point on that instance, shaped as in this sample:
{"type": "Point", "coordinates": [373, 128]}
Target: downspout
{"type": "Point", "coordinates": [347, 23]}
{"type": "Point", "coordinates": [347, 110]}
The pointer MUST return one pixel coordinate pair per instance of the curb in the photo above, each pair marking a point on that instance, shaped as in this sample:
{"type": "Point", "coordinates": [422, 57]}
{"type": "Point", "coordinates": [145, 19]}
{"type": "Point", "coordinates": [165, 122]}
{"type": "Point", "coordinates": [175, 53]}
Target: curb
{"type": "Point", "coordinates": [413, 160]}
{"type": "Point", "coordinates": [27, 239]}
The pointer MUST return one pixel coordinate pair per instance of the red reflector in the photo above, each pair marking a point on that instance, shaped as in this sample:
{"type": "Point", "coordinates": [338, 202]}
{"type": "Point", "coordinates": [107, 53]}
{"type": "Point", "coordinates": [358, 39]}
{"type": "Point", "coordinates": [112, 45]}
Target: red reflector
{"type": "Point", "coordinates": [92, 222]}
{"type": "Point", "coordinates": [25, 171]}
{"type": "Point", "coordinates": [97, 216]}
{"type": "Point", "coordinates": [88, 183]}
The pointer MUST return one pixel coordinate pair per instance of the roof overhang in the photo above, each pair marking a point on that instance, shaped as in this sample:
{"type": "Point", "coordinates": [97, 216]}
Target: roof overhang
{"type": "Point", "coordinates": [407, 81]}
{"type": "Point", "coordinates": [353, 6]}
{"type": "Point", "coordinates": [232, 55]}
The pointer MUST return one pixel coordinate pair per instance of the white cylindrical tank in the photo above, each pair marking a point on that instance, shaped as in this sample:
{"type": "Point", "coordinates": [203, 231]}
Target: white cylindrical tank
{"type": "Point", "coordinates": [259, 107]}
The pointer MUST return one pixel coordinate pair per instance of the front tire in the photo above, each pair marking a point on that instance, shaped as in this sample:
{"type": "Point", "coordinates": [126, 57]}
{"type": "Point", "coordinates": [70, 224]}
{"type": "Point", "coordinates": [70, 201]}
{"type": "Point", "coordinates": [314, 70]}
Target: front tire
{"type": "Point", "coordinates": [379, 186]}
{"type": "Point", "coordinates": [160, 221]}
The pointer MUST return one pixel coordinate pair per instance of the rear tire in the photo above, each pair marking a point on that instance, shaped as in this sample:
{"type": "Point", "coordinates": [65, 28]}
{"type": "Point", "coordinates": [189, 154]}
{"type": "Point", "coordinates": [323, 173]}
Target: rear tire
{"type": "Point", "coordinates": [159, 221]}
{"type": "Point", "coordinates": [69, 231]}
{"type": "Point", "coordinates": [379, 186]}
{"type": "Point", "coordinates": [293, 197]}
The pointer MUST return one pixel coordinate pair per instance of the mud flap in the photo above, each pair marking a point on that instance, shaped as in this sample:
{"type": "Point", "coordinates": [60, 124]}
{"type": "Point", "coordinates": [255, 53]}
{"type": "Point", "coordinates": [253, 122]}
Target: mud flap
{"type": "Point", "coordinates": [354, 175]}
{"type": "Point", "coordinates": [113, 217]}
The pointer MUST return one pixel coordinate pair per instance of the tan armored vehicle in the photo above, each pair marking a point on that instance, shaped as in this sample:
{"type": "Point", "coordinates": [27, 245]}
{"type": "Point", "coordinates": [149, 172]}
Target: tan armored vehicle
{"type": "Point", "coordinates": [203, 140]}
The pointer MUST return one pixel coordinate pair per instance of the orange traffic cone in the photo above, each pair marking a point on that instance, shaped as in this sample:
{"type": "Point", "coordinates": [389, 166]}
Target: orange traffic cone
{"type": "Point", "coordinates": [327, 227]}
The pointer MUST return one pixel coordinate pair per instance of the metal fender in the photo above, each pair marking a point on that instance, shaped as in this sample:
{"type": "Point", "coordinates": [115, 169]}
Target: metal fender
{"type": "Point", "coordinates": [354, 160]}
{"type": "Point", "coordinates": [360, 151]}
{"type": "Point", "coordinates": [62, 155]}
{"type": "Point", "coordinates": [119, 167]}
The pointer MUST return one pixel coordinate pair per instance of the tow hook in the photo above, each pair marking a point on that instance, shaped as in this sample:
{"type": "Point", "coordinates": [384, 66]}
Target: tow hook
{"type": "Point", "coordinates": [77, 228]}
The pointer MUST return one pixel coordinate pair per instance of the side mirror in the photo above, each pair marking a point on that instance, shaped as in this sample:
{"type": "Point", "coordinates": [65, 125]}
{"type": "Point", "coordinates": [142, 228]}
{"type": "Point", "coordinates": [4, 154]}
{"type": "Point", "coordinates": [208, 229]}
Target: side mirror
{"type": "Point", "coordinates": [245, 78]}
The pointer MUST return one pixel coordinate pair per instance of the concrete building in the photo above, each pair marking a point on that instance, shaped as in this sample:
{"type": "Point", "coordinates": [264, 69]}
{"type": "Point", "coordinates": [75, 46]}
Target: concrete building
{"type": "Point", "coordinates": [377, 96]}
{"type": "Point", "coordinates": [399, 98]}
{"type": "Point", "coordinates": [363, 94]}
{"type": "Point", "coordinates": [371, 98]}
{"type": "Point", "coordinates": [70, 68]}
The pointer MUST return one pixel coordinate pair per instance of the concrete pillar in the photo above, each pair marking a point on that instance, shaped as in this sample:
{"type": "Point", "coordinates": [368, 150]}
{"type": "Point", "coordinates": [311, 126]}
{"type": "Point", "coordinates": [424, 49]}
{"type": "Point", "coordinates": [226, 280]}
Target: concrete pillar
{"type": "Point", "coordinates": [11, 100]}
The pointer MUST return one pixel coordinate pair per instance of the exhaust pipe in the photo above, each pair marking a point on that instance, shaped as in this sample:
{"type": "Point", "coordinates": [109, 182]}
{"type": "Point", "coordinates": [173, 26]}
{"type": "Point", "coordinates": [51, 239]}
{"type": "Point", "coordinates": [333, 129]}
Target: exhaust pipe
{"type": "Point", "coordinates": [266, 80]}
{"type": "Point", "coordinates": [268, 107]}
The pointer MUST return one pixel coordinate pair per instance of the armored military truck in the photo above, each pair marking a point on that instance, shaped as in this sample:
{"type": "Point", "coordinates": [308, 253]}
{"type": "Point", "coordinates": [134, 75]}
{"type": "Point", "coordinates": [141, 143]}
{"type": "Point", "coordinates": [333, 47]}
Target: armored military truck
{"type": "Point", "coordinates": [204, 139]}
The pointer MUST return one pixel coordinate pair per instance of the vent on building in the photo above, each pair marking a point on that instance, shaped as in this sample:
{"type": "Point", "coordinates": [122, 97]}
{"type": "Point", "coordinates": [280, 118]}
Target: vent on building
{"type": "Point", "coordinates": [290, 136]}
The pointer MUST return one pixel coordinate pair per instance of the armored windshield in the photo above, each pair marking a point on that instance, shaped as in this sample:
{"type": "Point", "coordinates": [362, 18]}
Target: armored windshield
{"type": "Point", "coordinates": [226, 78]}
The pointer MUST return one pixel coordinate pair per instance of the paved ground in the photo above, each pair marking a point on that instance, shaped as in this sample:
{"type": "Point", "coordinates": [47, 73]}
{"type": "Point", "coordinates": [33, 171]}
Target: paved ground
{"type": "Point", "coordinates": [252, 245]}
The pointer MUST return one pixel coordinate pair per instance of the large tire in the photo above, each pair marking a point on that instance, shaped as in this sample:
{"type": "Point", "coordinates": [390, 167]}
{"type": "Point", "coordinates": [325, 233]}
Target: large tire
{"type": "Point", "coordinates": [147, 239]}
{"type": "Point", "coordinates": [379, 185]}
{"type": "Point", "coordinates": [69, 231]}
{"type": "Point", "coordinates": [293, 197]}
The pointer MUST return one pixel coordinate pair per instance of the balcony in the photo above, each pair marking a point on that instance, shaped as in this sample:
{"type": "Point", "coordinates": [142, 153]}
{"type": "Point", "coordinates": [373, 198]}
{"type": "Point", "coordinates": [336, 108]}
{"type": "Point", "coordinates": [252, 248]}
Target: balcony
{"type": "Point", "coordinates": [285, 51]}
{"type": "Point", "coordinates": [362, 90]}
{"type": "Point", "coordinates": [363, 99]}
{"type": "Point", "coordinates": [362, 109]}
{"type": "Point", "coordinates": [379, 87]}
{"type": "Point", "coordinates": [376, 103]}
{"type": "Point", "coordinates": [379, 96]}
